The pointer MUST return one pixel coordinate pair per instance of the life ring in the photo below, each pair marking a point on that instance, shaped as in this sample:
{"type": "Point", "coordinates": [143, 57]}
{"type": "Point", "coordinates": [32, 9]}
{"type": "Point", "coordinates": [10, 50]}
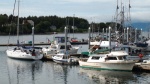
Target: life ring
{"type": "Point", "coordinates": [140, 55]}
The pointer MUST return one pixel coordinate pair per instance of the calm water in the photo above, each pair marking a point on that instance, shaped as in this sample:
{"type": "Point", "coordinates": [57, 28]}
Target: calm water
{"type": "Point", "coordinates": [46, 72]}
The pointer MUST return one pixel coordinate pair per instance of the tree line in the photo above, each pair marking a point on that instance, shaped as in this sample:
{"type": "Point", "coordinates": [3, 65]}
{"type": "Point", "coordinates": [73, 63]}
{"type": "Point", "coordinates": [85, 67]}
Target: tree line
{"type": "Point", "coordinates": [48, 24]}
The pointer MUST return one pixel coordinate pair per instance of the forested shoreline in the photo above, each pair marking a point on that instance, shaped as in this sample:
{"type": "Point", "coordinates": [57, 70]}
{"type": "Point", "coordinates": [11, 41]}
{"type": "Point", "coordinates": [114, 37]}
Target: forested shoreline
{"type": "Point", "coordinates": [48, 24]}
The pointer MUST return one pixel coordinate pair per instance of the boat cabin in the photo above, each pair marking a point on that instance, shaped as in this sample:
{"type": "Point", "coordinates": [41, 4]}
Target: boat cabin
{"type": "Point", "coordinates": [115, 55]}
{"type": "Point", "coordinates": [105, 58]}
{"type": "Point", "coordinates": [60, 39]}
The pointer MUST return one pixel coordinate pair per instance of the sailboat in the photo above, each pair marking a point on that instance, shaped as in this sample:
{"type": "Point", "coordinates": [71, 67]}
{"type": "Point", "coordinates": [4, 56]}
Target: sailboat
{"type": "Point", "coordinates": [22, 52]}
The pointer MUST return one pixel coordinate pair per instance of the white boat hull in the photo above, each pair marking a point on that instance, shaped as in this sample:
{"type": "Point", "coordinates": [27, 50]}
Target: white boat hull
{"type": "Point", "coordinates": [95, 43]}
{"type": "Point", "coordinates": [23, 55]}
{"type": "Point", "coordinates": [48, 53]}
{"type": "Point", "coordinates": [125, 66]}
{"type": "Point", "coordinates": [63, 59]}
{"type": "Point", "coordinates": [145, 65]}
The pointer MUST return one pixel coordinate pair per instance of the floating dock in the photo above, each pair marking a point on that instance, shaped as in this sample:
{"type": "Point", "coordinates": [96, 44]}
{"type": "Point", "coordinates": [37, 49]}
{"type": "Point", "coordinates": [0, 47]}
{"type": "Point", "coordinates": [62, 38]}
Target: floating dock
{"type": "Point", "coordinates": [28, 44]}
{"type": "Point", "coordinates": [78, 43]}
{"type": "Point", "coordinates": [72, 43]}
{"type": "Point", "coordinates": [25, 44]}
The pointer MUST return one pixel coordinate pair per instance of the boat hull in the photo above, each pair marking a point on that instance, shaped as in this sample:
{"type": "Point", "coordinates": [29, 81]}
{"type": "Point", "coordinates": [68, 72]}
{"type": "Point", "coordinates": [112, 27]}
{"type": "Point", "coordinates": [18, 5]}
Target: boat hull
{"type": "Point", "coordinates": [49, 53]}
{"type": "Point", "coordinates": [23, 55]}
{"type": "Point", "coordinates": [122, 66]}
{"type": "Point", "coordinates": [63, 59]}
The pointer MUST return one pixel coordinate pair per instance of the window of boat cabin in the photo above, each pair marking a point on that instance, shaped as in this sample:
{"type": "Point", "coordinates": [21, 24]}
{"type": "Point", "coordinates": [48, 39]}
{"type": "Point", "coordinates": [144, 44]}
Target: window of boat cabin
{"type": "Point", "coordinates": [68, 47]}
{"type": "Point", "coordinates": [61, 39]}
{"type": "Point", "coordinates": [63, 47]}
{"type": "Point", "coordinates": [65, 57]}
{"type": "Point", "coordinates": [95, 58]}
{"type": "Point", "coordinates": [120, 57]}
{"type": "Point", "coordinates": [111, 58]}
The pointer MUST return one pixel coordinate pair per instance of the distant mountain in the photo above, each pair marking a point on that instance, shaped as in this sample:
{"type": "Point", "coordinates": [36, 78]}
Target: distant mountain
{"type": "Point", "coordinates": [142, 25]}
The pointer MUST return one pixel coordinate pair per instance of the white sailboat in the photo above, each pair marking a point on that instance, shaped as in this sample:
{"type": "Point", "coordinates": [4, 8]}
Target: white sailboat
{"type": "Point", "coordinates": [20, 52]}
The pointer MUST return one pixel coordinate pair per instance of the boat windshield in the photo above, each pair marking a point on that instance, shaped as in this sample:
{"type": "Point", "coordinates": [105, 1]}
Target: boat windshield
{"type": "Point", "coordinates": [95, 58]}
{"type": "Point", "coordinates": [121, 57]}
{"type": "Point", "coordinates": [111, 58]}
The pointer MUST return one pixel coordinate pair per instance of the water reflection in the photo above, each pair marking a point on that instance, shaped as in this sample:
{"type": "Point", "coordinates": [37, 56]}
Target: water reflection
{"type": "Point", "coordinates": [108, 77]}
{"type": "Point", "coordinates": [22, 71]}
{"type": "Point", "coordinates": [61, 73]}
{"type": "Point", "coordinates": [66, 74]}
{"type": "Point", "coordinates": [38, 72]}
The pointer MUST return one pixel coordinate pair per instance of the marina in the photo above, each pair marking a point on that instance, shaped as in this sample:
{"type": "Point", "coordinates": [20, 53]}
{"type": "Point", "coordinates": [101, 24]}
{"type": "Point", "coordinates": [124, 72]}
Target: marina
{"type": "Point", "coordinates": [73, 49]}
{"type": "Point", "coordinates": [42, 43]}
{"type": "Point", "coordinates": [45, 71]}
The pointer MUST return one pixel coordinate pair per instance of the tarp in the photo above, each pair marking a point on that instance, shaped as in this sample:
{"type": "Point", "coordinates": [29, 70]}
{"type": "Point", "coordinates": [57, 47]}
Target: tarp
{"type": "Point", "coordinates": [30, 47]}
{"type": "Point", "coordinates": [96, 51]}
{"type": "Point", "coordinates": [100, 50]}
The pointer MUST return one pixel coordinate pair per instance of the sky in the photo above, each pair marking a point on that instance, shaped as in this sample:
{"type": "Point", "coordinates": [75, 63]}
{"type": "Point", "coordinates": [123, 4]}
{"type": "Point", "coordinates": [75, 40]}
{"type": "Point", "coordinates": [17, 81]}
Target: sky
{"type": "Point", "coordinates": [92, 10]}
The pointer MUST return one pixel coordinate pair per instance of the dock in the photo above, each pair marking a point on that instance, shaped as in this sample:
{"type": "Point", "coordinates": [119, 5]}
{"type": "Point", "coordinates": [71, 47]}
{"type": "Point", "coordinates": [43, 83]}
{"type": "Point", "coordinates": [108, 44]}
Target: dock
{"type": "Point", "coordinates": [25, 44]}
{"type": "Point", "coordinates": [78, 43]}
{"type": "Point", "coordinates": [28, 44]}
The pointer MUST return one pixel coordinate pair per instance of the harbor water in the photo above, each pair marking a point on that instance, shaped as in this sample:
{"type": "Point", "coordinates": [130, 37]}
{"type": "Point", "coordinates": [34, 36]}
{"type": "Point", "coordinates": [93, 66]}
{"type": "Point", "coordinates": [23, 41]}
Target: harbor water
{"type": "Point", "coordinates": [13, 71]}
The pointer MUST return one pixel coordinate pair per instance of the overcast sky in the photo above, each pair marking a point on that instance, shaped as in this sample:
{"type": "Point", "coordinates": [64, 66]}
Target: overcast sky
{"type": "Point", "coordinates": [92, 10]}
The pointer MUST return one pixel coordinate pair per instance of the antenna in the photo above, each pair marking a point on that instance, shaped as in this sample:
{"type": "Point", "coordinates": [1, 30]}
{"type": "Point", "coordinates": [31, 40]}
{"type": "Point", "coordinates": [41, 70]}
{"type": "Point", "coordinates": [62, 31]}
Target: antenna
{"type": "Point", "coordinates": [116, 15]}
{"type": "Point", "coordinates": [129, 13]}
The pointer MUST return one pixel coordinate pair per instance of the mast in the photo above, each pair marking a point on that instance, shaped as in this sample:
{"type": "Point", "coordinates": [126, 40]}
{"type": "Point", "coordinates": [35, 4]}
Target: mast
{"type": "Point", "coordinates": [106, 34]}
{"type": "Point", "coordinates": [12, 19]}
{"type": "Point", "coordinates": [66, 39]}
{"type": "Point", "coordinates": [135, 35]}
{"type": "Point", "coordinates": [129, 13]}
{"type": "Point", "coordinates": [103, 34]}
{"type": "Point", "coordinates": [129, 20]}
{"type": "Point", "coordinates": [89, 31]}
{"type": "Point", "coordinates": [141, 35]}
{"type": "Point", "coordinates": [124, 35]}
{"type": "Point", "coordinates": [73, 25]}
{"type": "Point", "coordinates": [122, 16]}
{"type": "Point", "coordinates": [116, 16]}
{"type": "Point", "coordinates": [128, 38]}
{"type": "Point", "coordinates": [18, 24]}
{"type": "Point", "coordinates": [127, 34]}
{"type": "Point", "coordinates": [109, 39]}
{"type": "Point", "coordinates": [33, 36]}
{"type": "Point", "coordinates": [148, 33]}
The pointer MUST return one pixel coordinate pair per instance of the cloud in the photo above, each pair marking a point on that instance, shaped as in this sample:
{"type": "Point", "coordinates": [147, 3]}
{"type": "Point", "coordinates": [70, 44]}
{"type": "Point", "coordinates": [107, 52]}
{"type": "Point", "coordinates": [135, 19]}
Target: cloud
{"type": "Point", "coordinates": [141, 16]}
{"type": "Point", "coordinates": [98, 10]}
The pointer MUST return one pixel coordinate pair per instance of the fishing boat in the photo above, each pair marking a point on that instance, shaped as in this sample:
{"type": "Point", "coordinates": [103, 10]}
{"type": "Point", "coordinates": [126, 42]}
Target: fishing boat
{"type": "Point", "coordinates": [114, 60]}
{"type": "Point", "coordinates": [22, 52]}
{"type": "Point", "coordinates": [63, 58]}
{"type": "Point", "coordinates": [58, 46]}
{"type": "Point", "coordinates": [143, 65]}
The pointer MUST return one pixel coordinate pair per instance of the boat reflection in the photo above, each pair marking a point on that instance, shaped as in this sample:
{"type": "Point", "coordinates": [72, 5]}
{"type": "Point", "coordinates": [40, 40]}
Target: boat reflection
{"type": "Point", "coordinates": [61, 72]}
{"type": "Point", "coordinates": [23, 71]}
{"type": "Point", "coordinates": [66, 74]}
{"type": "Point", "coordinates": [107, 77]}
